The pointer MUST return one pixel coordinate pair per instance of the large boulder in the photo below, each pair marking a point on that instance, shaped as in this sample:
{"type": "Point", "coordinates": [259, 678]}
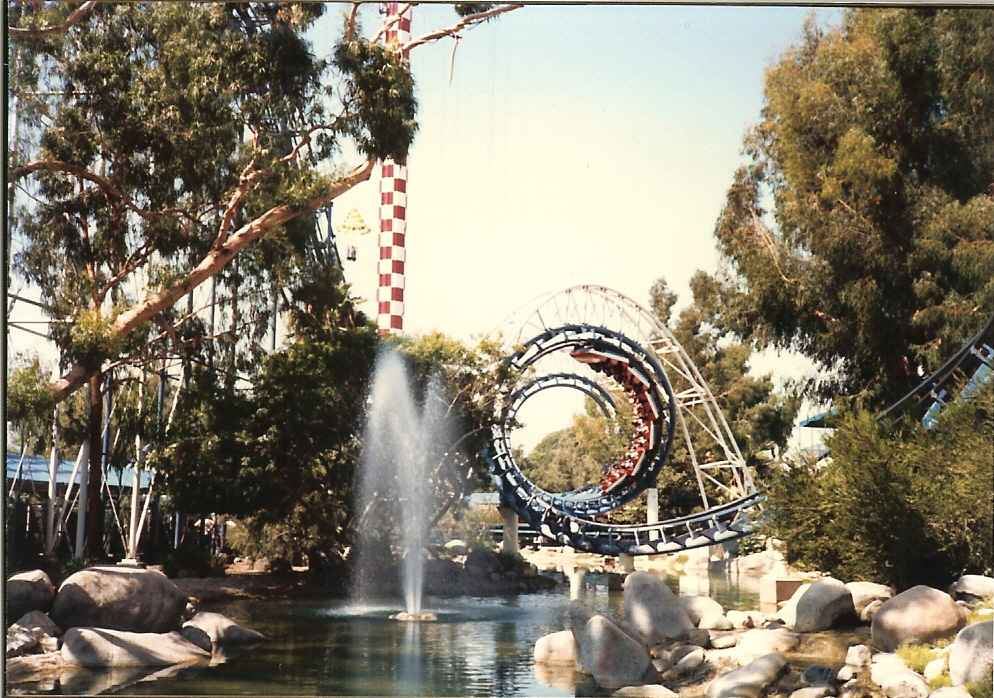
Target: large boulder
{"type": "Point", "coordinates": [119, 598]}
{"type": "Point", "coordinates": [750, 681]}
{"type": "Point", "coordinates": [970, 654]}
{"type": "Point", "coordinates": [865, 593]}
{"type": "Point", "coordinates": [33, 632]}
{"type": "Point", "coordinates": [760, 641]}
{"type": "Point", "coordinates": [788, 612]}
{"type": "Point", "coordinates": [920, 614]}
{"type": "Point", "coordinates": [28, 591]}
{"type": "Point", "coordinates": [698, 607]}
{"type": "Point", "coordinates": [823, 604]}
{"type": "Point", "coordinates": [482, 562]}
{"type": "Point", "coordinates": [556, 648]}
{"type": "Point", "coordinates": [895, 678]}
{"type": "Point", "coordinates": [653, 610]}
{"type": "Point", "coordinates": [99, 647]}
{"type": "Point", "coordinates": [614, 657]}
{"type": "Point", "coordinates": [222, 630]}
{"type": "Point", "coordinates": [975, 585]}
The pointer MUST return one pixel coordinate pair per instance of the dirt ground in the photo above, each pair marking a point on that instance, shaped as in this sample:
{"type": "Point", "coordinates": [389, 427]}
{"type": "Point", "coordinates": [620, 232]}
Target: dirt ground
{"type": "Point", "coordinates": [242, 582]}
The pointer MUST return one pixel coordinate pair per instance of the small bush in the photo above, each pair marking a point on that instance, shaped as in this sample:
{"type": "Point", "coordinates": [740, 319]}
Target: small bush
{"type": "Point", "coordinates": [190, 560]}
{"type": "Point", "coordinates": [983, 688]}
{"type": "Point", "coordinates": [839, 517]}
{"type": "Point", "coordinates": [940, 681]}
{"type": "Point", "coordinates": [916, 656]}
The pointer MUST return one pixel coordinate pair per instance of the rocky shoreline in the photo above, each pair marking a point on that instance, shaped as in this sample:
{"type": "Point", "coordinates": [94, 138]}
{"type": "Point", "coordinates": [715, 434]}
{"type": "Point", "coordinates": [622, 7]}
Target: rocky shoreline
{"type": "Point", "coordinates": [690, 646]}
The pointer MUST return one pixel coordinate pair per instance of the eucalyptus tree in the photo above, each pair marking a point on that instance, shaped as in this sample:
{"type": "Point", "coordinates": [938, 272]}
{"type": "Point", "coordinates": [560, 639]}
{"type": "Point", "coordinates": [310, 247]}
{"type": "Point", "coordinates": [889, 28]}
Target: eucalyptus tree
{"type": "Point", "coordinates": [185, 136]}
{"type": "Point", "coordinates": [861, 230]}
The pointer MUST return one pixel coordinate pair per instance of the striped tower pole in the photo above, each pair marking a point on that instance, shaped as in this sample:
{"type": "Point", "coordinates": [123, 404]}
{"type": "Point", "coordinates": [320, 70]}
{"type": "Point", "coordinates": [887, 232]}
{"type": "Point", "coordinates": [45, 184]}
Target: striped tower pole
{"type": "Point", "coordinates": [393, 205]}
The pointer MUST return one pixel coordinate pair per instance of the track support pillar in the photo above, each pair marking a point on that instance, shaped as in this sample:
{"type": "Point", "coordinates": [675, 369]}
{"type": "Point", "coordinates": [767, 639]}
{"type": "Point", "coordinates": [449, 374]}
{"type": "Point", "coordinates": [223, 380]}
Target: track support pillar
{"type": "Point", "coordinates": [509, 546]}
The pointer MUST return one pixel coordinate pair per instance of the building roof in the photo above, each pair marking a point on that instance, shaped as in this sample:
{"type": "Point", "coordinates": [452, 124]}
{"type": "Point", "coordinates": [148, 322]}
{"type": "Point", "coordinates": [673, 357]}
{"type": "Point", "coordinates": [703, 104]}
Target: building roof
{"type": "Point", "coordinates": [35, 469]}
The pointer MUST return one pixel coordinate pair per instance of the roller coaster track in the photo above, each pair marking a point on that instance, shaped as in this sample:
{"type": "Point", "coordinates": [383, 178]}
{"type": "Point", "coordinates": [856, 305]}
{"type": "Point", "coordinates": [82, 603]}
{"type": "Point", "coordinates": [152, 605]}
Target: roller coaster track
{"type": "Point", "coordinates": [586, 338]}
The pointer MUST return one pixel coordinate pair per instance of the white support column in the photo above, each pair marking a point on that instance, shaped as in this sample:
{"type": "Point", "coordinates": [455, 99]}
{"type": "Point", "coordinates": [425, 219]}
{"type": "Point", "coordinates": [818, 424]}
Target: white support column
{"type": "Point", "coordinates": [53, 471]}
{"type": "Point", "coordinates": [626, 563]}
{"type": "Point", "coordinates": [576, 575]}
{"type": "Point", "coordinates": [81, 498]}
{"type": "Point", "coordinates": [509, 545]}
{"type": "Point", "coordinates": [132, 553]}
{"type": "Point", "coordinates": [652, 510]}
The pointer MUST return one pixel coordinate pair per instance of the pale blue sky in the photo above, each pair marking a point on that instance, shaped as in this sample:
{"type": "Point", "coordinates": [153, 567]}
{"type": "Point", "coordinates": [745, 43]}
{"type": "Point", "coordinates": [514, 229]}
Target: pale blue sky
{"type": "Point", "coordinates": [588, 144]}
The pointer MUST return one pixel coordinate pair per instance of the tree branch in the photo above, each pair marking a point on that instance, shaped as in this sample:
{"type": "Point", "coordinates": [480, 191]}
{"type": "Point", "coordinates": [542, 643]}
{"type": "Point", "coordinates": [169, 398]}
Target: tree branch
{"type": "Point", "coordinates": [75, 17]}
{"type": "Point", "coordinates": [215, 260]}
{"type": "Point", "coordinates": [460, 25]}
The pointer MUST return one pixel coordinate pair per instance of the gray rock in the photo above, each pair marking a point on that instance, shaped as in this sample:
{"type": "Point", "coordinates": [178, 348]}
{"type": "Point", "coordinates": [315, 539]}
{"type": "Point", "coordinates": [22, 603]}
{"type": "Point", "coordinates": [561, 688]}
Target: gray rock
{"type": "Point", "coordinates": [482, 562]}
{"type": "Point", "coordinates": [119, 598]}
{"type": "Point", "coordinates": [813, 692]}
{"type": "Point", "coordinates": [653, 610]}
{"type": "Point", "coordinates": [99, 647]}
{"type": "Point", "coordinates": [646, 691]}
{"type": "Point", "coordinates": [934, 669]}
{"type": "Point", "coordinates": [895, 678]}
{"type": "Point", "coordinates": [689, 662]}
{"type": "Point", "coordinates": [28, 591]}
{"type": "Point", "coordinates": [197, 637]}
{"type": "Point", "coordinates": [222, 630]}
{"type": "Point", "coordinates": [870, 610]}
{"type": "Point", "coordinates": [746, 619]}
{"type": "Point", "coordinates": [33, 632]}
{"type": "Point", "coordinates": [974, 585]}
{"type": "Point", "coordinates": [456, 547]}
{"type": "Point", "coordinates": [970, 654]}
{"type": "Point", "coordinates": [818, 675]}
{"type": "Point", "coordinates": [950, 692]}
{"type": "Point", "coordinates": [859, 656]}
{"type": "Point", "coordinates": [556, 648]}
{"type": "Point", "coordinates": [699, 637]}
{"type": "Point", "coordinates": [20, 641]}
{"type": "Point", "coordinates": [750, 681]}
{"type": "Point", "coordinates": [36, 620]}
{"type": "Point", "coordinates": [920, 614]}
{"type": "Point", "coordinates": [699, 607]}
{"type": "Point", "coordinates": [865, 593]}
{"type": "Point", "coordinates": [758, 642]}
{"type": "Point", "coordinates": [846, 673]}
{"type": "Point", "coordinates": [823, 604]}
{"type": "Point", "coordinates": [609, 653]}
{"type": "Point", "coordinates": [721, 641]}
{"type": "Point", "coordinates": [715, 622]}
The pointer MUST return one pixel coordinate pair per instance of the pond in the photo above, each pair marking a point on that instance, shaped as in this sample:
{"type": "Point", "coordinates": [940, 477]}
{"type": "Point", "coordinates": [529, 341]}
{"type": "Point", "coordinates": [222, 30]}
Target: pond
{"type": "Point", "coordinates": [478, 647]}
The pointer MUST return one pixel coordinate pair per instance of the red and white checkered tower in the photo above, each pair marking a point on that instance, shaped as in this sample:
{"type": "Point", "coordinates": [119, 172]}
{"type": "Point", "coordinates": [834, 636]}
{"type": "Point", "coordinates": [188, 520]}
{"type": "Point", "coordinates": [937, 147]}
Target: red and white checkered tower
{"type": "Point", "coordinates": [393, 203]}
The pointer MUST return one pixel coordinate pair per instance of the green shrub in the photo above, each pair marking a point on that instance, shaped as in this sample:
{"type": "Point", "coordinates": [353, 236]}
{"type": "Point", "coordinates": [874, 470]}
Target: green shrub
{"type": "Point", "coordinates": [940, 681]}
{"type": "Point", "coordinates": [916, 656]}
{"type": "Point", "coordinates": [896, 503]}
{"type": "Point", "coordinates": [190, 560]}
{"type": "Point", "coordinates": [983, 688]}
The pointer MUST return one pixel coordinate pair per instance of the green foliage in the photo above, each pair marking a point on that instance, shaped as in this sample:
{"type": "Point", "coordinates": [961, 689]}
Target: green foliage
{"type": "Point", "coordinates": [464, 9]}
{"type": "Point", "coordinates": [28, 401]}
{"type": "Point", "coordinates": [983, 688]}
{"type": "Point", "coordinates": [940, 681]}
{"type": "Point", "coordinates": [875, 149]}
{"type": "Point", "coordinates": [840, 517]}
{"type": "Point", "coordinates": [915, 656]}
{"type": "Point", "coordinates": [191, 560]}
{"type": "Point", "coordinates": [382, 89]}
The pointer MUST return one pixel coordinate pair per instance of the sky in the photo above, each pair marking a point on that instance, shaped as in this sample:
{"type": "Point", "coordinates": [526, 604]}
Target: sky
{"type": "Point", "coordinates": [569, 145]}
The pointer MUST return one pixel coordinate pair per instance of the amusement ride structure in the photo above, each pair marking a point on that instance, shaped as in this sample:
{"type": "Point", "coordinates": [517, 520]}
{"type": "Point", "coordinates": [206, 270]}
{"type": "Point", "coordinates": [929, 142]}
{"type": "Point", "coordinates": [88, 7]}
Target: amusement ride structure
{"type": "Point", "coordinates": [603, 344]}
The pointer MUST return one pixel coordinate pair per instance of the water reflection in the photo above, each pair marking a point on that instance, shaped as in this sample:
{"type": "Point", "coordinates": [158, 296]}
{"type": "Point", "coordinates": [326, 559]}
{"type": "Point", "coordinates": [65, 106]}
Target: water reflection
{"type": "Point", "coordinates": [478, 647]}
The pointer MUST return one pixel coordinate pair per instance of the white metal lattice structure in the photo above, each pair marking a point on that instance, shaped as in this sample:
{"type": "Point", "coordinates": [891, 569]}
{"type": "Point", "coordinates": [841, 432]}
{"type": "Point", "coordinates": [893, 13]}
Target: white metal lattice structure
{"type": "Point", "coordinates": [719, 468]}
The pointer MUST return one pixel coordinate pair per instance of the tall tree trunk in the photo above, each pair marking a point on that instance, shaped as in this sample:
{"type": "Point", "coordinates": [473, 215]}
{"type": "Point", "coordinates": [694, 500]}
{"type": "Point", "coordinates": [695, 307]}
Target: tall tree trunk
{"type": "Point", "coordinates": [94, 504]}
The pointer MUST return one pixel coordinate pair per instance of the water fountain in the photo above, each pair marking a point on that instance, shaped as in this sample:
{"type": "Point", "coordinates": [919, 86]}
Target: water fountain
{"type": "Point", "coordinates": [402, 442]}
